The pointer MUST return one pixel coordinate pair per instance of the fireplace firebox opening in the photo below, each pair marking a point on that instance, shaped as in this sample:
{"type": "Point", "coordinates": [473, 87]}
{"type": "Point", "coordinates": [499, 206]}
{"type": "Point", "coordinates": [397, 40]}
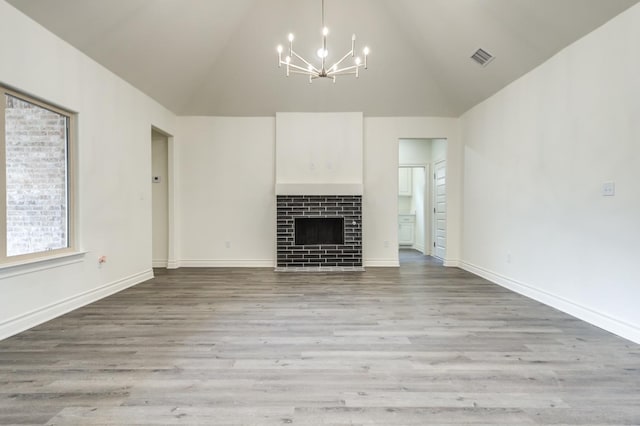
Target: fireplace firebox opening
{"type": "Point", "coordinates": [319, 230]}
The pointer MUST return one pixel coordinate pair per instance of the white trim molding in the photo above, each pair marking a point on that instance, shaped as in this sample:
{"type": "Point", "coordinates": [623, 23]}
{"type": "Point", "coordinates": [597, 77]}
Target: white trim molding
{"type": "Point", "coordinates": [381, 263]}
{"type": "Point", "coordinates": [598, 319]}
{"type": "Point", "coordinates": [36, 317]}
{"type": "Point", "coordinates": [319, 189]}
{"type": "Point", "coordinates": [42, 264]}
{"type": "Point", "coordinates": [451, 263]}
{"type": "Point", "coordinates": [173, 264]}
{"type": "Point", "coordinates": [228, 263]}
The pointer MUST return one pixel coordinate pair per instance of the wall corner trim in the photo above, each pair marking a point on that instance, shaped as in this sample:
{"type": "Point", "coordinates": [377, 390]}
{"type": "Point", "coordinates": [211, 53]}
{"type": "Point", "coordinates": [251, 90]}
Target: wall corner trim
{"type": "Point", "coordinates": [613, 325]}
{"type": "Point", "coordinates": [173, 264]}
{"type": "Point", "coordinates": [41, 315]}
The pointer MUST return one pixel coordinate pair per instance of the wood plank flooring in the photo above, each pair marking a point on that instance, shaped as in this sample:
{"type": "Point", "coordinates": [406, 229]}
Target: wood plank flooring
{"type": "Point", "coordinates": [419, 345]}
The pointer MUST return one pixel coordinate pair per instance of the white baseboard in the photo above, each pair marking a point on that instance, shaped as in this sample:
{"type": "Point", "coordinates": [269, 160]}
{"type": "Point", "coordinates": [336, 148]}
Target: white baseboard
{"type": "Point", "coordinates": [606, 322]}
{"type": "Point", "coordinates": [211, 263]}
{"type": "Point", "coordinates": [159, 263]}
{"type": "Point", "coordinates": [28, 320]}
{"type": "Point", "coordinates": [451, 263]}
{"type": "Point", "coordinates": [228, 263]}
{"type": "Point", "coordinates": [418, 247]}
{"type": "Point", "coordinates": [381, 263]}
{"type": "Point", "coordinates": [173, 264]}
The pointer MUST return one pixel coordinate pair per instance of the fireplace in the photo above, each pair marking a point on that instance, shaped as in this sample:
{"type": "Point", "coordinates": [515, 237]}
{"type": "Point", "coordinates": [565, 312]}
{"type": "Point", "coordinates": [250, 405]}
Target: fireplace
{"type": "Point", "coordinates": [319, 232]}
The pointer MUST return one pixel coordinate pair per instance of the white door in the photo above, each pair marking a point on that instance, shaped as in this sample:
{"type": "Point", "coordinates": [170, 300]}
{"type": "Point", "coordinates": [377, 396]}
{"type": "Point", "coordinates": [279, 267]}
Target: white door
{"type": "Point", "coordinates": [440, 210]}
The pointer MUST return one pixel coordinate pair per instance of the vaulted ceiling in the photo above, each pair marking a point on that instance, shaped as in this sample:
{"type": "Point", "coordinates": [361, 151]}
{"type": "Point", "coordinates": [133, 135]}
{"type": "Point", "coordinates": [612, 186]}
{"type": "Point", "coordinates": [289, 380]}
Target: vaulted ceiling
{"type": "Point", "coordinates": [218, 57]}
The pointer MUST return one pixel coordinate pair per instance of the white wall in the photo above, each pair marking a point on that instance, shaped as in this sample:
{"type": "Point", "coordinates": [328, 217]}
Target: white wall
{"type": "Point", "coordinates": [438, 150]}
{"type": "Point", "coordinates": [404, 204]}
{"type": "Point", "coordinates": [414, 151]}
{"type": "Point", "coordinates": [226, 191]}
{"type": "Point", "coordinates": [380, 208]}
{"type": "Point", "coordinates": [536, 155]}
{"type": "Point", "coordinates": [319, 148]}
{"type": "Point", "coordinates": [226, 188]}
{"type": "Point", "coordinates": [160, 199]}
{"type": "Point", "coordinates": [114, 190]}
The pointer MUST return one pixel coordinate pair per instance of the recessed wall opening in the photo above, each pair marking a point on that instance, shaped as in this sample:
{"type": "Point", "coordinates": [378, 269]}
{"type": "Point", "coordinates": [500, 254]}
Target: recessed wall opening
{"type": "Point", "coordinates": [160, 197]}
{"type": "Point", "coordinates": [422, 196]}
{"type": "Point", "coordinates": [319, 230]}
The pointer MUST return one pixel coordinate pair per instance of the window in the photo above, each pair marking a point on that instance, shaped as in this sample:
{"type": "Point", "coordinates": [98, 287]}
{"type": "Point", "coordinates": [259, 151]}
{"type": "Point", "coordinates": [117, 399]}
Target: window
{"type": "Point", "coordinates": [36, 200]}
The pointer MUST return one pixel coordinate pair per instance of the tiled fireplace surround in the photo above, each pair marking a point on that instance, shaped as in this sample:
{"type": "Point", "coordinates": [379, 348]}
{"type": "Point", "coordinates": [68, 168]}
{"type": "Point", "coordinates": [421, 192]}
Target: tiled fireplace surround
{"type": "Point", "coordinates": [324, 257]}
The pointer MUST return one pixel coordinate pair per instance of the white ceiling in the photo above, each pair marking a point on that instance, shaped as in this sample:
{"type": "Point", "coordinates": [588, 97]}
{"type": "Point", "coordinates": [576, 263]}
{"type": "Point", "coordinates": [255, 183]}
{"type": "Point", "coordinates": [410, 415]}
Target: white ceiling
{"type": "Point", "coordinates": [218, 57]}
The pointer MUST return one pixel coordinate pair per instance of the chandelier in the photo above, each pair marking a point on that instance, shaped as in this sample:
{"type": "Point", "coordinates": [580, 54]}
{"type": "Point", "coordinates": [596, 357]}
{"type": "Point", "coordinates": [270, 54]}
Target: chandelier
{"type": "Point", "coordinates": [296, 64]}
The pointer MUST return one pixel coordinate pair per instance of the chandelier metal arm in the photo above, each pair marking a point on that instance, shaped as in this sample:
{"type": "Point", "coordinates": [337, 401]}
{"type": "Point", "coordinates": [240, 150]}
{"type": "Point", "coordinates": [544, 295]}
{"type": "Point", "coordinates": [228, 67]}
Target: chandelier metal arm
{"type": "Point", "coordinates": [303, 60]}
{"type": "Point", "coordinates": [322, 72]}
{"type": "Point", "coordinates": [304, 73]}
{"type": "Point", "coordinates": [351, 69]}
{"type": "Point", "coordinates": [342, 60]}
{"type": "Point", "coordinates": [301, 69]}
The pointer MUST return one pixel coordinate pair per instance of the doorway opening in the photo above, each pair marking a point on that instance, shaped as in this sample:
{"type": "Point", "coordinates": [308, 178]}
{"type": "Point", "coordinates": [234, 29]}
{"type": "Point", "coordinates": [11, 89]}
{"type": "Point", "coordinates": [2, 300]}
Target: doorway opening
{"type": "Point", "coordinates": [422, 198]}
{"type": "Point", "coordinates": [160, 199]}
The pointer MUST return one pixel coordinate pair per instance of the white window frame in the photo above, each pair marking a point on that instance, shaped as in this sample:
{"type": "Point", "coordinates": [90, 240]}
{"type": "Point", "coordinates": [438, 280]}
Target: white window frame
{"type": "Point", "coordinates": [71, 228]}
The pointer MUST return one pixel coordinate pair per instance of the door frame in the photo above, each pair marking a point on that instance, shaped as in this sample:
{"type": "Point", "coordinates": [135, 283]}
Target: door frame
{"type": "Point", "coordinates": [433, 210]}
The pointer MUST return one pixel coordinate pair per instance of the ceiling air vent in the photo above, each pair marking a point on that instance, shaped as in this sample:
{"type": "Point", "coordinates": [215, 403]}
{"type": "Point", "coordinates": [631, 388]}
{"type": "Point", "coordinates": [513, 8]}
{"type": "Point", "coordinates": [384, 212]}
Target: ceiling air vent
{"type": "Point", "coordinates": [482, 57]}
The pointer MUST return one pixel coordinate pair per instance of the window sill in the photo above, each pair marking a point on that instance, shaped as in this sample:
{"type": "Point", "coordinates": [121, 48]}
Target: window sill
{"type": "Point", "coordinates": [28, 266]}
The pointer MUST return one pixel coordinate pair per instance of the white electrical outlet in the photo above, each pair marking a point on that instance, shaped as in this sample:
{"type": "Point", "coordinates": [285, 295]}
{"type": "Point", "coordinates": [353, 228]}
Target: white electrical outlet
{"type": "Point", "coordinates": [608, 189]}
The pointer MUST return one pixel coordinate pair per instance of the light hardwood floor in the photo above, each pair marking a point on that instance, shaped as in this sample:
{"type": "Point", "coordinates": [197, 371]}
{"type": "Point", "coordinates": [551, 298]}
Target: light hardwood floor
{"type": "Point", "coordinates": [419, 345]}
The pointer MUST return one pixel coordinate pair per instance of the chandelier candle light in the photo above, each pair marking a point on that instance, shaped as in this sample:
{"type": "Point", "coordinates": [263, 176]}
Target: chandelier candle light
{"type": "Point", "coordinates": [306, 68]}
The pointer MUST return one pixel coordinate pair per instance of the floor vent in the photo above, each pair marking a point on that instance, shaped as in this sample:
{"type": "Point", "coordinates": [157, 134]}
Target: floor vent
{"type": "Point", "coordinates": [482, 57]}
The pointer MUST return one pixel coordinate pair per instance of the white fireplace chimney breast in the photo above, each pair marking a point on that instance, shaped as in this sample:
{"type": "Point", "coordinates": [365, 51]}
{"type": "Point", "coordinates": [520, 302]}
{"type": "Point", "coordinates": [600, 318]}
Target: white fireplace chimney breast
{"type": "Point", "coordinates": [319, 153]}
